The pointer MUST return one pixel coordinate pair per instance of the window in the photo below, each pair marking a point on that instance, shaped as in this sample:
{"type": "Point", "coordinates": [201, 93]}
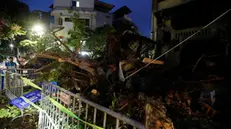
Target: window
{"type": "Point", "coordinates": [52, 19]}
{"type": "Point", "coordinates": [68, 20]}
{"type": "Point", "coordinates": [75, 3]}
{"type": "Point", "coordinates": [86, 21]}
{"type": "Point", "coordinates": [60, 20]}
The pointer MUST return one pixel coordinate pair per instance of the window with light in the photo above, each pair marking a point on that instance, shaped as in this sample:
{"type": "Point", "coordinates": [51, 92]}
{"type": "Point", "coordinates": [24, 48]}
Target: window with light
{"type": "Point", "coordinates": [75, 3]}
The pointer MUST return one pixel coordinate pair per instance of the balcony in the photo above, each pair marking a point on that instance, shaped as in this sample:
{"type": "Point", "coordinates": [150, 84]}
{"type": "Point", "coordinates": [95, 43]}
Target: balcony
{"type": "Point", "coordinates": [204, 34]}
{"type": "Point", "coordinates": [164, 4]}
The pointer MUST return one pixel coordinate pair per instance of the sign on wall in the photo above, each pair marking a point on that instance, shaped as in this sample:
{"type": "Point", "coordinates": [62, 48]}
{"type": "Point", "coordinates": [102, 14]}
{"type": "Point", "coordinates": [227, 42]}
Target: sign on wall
{"type": "Point", "coordinates": [65, 98]}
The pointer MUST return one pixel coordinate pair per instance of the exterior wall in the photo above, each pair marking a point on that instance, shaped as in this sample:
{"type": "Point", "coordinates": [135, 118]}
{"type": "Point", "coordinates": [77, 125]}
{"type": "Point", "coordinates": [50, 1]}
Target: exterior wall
{"type": "Point", "coordinates": [86, 3]}
{"type": "Point", "coordinates": [157, 6]}
{"type": "Point", "coordinates": [103, 18]}
{"type": "Point", "coordinates": [168, 4]}
{"type": "Point", "coordinates": [68, 3]}
{"type": "Point", "coordinates": [62, 14]}
{"type": "Point", "coordinates": [62, 3]}
{"type": "Point", "coordinates": [69, 25]}
{"type": "Point", "coordinates": [205, 36]}
{"type": "Point", "coordinates": [85, 11]}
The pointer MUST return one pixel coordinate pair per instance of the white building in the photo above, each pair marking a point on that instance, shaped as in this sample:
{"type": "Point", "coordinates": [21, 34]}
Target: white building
{"type": "Point", "coordinates": [95, 14]}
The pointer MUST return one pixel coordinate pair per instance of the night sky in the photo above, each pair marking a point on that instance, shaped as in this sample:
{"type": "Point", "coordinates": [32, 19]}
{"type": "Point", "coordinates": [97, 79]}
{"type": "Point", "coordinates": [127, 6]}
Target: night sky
{"type": "Point", "coordinates": [141, 11]}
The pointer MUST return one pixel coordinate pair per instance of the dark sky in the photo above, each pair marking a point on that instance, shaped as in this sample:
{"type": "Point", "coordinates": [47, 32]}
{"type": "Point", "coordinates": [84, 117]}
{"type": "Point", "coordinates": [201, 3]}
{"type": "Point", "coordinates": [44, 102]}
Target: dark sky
{"type": "Point", "coordinates": [141, 11]}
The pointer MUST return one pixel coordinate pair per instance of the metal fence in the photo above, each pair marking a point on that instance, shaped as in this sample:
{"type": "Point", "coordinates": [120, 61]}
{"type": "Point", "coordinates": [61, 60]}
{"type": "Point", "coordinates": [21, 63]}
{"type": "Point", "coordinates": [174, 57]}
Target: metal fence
{"type": "Point", "coordinates": [11, 82]}
{"type": "Point", "coordinates": [13, 85]}
{"type": "Point", "coordinates": [83, 108]}
{"type": "Point", "coordinates": [29, 73]}
{"type": "Point", "coordinates": [2, 78]}
{"type": "Point", "coordinates": [53, 118]}
{"type": "Point", "coordinates": [45, 121]}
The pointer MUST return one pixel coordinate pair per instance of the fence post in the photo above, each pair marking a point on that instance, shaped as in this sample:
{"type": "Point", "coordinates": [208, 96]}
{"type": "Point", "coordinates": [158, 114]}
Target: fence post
{"type": "Point", "coordinates": [2, 80]}
{"type": "Point", "coordinates": [7, 79]}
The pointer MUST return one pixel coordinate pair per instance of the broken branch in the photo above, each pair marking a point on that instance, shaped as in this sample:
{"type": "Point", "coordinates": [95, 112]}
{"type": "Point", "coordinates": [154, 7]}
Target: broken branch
{"type": "Point", "coordinates": [81, 64]}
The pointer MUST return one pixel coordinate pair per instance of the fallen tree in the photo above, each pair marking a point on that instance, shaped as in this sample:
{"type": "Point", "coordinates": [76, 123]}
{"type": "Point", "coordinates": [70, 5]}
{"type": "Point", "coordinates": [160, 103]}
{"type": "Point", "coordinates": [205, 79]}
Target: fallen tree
{"type": "Point", "coordinates": [166, 101]}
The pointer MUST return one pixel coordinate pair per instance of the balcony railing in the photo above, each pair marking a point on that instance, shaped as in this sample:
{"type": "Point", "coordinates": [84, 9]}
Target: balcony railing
{"type": "Point", "coordinates": [208, 32]}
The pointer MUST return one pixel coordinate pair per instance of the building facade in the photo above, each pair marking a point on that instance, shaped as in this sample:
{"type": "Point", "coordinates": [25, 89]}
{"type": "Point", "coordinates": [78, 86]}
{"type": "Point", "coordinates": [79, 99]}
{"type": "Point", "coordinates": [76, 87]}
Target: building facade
{"type": "Point", "coordinates": [158, 6]}
{"type": "Point", "coordinates": [94, 13]}
{"type": "Point", "coordinates": [179, 19]}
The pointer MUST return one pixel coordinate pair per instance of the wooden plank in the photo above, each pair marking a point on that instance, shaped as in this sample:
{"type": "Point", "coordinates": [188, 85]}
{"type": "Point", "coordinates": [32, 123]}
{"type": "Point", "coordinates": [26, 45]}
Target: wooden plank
{"type": "Point", "coordinates": [148, 60]}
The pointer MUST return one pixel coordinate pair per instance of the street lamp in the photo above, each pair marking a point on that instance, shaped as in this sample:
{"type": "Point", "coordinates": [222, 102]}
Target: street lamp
{"type": "Point", "coordinates": [38, 29]}
{"type": "Point", "coordinates": [11, 46]}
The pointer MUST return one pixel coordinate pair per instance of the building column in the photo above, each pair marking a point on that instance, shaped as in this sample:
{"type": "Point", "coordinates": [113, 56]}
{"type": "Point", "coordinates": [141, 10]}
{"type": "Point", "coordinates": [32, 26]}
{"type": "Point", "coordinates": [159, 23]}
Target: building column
{"type": "Point", "coordinates": [154, 20]}
{"type": "Point", "coordinates": [93, 20]}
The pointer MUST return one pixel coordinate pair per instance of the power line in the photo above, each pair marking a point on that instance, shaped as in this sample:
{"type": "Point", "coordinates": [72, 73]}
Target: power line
{"type": "Point", "coordinates": [132, 74]}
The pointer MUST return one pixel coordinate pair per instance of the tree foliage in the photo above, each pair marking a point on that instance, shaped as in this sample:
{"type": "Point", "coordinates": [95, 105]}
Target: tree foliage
{"type": "Point", "coordinates": [14, 11]}
{"type": "Point", "coordinates": [10, 31]}
{"type": "Point", "coordinates": [40, 43]}
{"type": "Point", "coordinates": [87, 39]}
{"type": "Point", "coordinates": [78, 33]}
{"type": "Point", "coordinates": [96, 41]}
{"type": "Point", "coordinates": [13, 15]}
{"type": "Point", "coordinates": [65, 68]}
{"type": "Point", "coordinates": [8, 34]}
{"type": "Point", "coordinates": [13, 18]}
